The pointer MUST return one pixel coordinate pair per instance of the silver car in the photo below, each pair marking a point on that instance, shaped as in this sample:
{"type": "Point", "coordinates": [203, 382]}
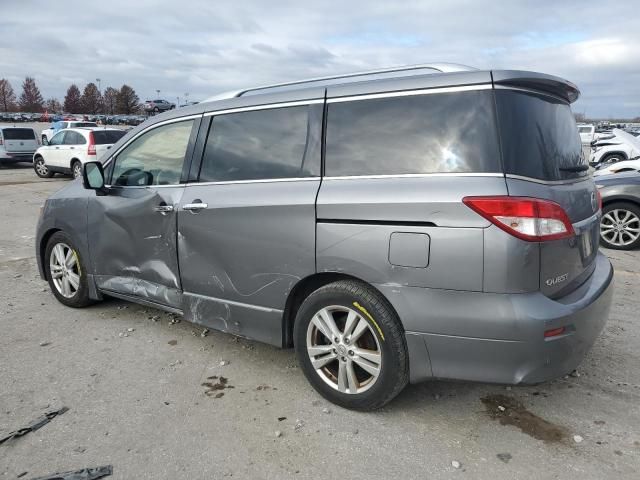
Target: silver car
{"type": "Point", "coordinates": [393, 226]}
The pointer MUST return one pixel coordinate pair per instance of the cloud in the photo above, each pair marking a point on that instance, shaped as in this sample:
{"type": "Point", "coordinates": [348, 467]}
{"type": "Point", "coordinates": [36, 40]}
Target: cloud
{"type": "Point", "coordinates": [205, 47]}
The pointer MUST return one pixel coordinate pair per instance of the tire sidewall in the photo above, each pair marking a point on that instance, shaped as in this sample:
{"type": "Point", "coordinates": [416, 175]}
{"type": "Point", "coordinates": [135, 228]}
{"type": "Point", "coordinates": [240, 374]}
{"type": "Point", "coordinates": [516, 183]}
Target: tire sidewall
{"type": "Point", "coordinates": [391, 368]}
{"type": "Point", "coordinates": [620, 206]}
{"type": "Point", "coordinates": [73, 169]}
{"type": "Point", "coordinates": [38, 160]}
{"type": "Point", "coordinates": [81, 297]}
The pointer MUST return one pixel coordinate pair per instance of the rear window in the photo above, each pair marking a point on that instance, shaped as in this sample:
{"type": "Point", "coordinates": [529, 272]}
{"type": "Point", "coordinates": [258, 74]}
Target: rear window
{"type": "Point", "coordinates": [435, 133]}
{"type": "Point", "coordinates": [107, 137]}
{"type": "Point", "coordinates": [84, 124]}
{"type": "Point", "coordinates": [584, 129]}
{"type": "Point", "coordinates": [18, 134]}
{"type": "Point", "coordinates": [539, 136]}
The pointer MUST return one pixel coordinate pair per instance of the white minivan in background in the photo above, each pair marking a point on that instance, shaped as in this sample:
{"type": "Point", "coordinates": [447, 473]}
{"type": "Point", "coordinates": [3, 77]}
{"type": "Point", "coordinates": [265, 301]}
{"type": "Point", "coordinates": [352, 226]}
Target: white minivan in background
{"type": "Point", "coordinates": [17, 144]}
{"type": "Point", "coordinates": [70, 148]}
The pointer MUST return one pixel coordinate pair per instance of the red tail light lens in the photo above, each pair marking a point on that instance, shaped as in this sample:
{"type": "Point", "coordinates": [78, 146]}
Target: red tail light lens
{"type": "Point", "coordinates": [554, 332]}
{"type": "Point", "coordinates": [91, 150]}
{"type": "Point", "coordinates": [530, 219]}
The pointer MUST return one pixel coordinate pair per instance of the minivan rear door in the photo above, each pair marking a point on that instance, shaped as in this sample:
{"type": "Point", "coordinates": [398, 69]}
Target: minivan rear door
{"type": "Point", "coordinates": [542, 157]}
{"type": "Point", "coordinates": [19, 140]}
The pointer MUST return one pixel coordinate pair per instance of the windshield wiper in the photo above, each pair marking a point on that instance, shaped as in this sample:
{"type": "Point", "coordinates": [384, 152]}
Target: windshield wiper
{"type": "Point", "coordinates": [575, 168]}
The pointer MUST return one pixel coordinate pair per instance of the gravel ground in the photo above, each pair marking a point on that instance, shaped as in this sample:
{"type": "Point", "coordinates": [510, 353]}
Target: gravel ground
{"type": "Point", "coordinates": [140, 396]}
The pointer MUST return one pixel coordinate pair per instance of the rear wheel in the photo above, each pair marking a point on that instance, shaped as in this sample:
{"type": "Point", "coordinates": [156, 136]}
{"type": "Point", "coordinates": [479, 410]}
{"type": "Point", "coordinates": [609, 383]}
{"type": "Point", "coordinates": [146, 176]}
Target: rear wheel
{"type": "Point", "coordinates": [612, 158]}
{"type": "Point", "coordinates": [76, 169]}
{"type": "Point", "coordinates": [66, 271]}
{"type": "Point", "coordinates": [351, 346]}
{"type": "Point", "coordinates": [41, 168]}
{"type": "Point", "coordinates": [620, 226]}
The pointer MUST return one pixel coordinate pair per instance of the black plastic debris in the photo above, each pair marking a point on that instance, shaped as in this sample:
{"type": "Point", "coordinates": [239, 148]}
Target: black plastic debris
{"type": "Point", "coordinates": [84, 474]}
{"type": "Point", "coordinates": [37, 424]}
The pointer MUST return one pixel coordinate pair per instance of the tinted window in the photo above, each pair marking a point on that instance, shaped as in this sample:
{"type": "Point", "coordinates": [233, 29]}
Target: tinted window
{"type": "Point", "coordinates": [107, 137]}
{"type": "Point", "coordinates": [262, 144]}
{"type": "Point", "coordinates": [18, 134]}
{"type": "Point", "coordinates": [539, 136]}
{"type": "Point", "coordinates": [74, 138]}
{"type": "Point", "coordinates": [84, 124]}
{"type": "Point", "coordinates": [447, 132]}
{"type": "Point", "coordinates": [154, 158]}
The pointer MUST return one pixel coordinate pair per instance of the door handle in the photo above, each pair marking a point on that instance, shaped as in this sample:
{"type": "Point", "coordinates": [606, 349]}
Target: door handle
{"type": "Point", "coordinates": [163, 209]}
{"type": "Point", "coordinates": [195, 207]}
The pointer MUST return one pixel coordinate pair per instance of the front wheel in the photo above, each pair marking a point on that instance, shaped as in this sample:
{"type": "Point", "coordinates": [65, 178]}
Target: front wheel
{"type": "Point", "coordinates": [66, 272]}
{"type": "Point", "coordinates": [351, 346]}
{"type": "Point", "coordinates": [41, 168]}
{"type": "Point", "coordinates": [620, 226]}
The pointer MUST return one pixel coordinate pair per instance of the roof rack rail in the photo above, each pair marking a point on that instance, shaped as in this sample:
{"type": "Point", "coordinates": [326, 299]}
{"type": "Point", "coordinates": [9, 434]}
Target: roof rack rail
{"type": "Point", "coordinates": [437, 67]}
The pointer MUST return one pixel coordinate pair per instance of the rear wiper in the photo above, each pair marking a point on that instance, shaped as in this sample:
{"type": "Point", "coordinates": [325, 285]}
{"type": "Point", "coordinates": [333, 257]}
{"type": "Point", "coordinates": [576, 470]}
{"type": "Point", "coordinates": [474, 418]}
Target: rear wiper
{"type": "Point", "coordinates": [576, 168]}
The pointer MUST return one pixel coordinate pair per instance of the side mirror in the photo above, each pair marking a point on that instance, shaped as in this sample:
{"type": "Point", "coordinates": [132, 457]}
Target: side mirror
{"type": "Point", "coordinates": [93, 178]}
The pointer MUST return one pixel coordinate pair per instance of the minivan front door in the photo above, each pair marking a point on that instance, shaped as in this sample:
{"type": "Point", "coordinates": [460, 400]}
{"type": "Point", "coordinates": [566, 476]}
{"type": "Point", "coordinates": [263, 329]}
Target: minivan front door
{"type": "Point", "coordinates": [132, 230]}
{"type": "Point", "coordinates": [247, 229]}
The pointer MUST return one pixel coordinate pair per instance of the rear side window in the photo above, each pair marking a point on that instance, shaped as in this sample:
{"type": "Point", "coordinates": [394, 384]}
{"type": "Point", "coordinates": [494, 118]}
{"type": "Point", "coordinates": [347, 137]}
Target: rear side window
{"type": "Point", "coordinates": [107, 137]}
{"type": "Point", "coordinates": [262, 144]}
{"type": "Point", "coordinates": [539, 136]}
{"type": "Point", "coordinates": [18, 134]}
{"type": "Point", "coordinates": [74, 138]}
{"type": "Point", "coordinates": [435, 133]}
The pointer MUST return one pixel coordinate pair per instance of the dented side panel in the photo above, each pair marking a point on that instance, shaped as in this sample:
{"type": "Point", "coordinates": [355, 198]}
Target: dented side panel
{"type": "Point", "coordinates": [241, 256]}
{"type": "Point", "coordinates": [133, 246]}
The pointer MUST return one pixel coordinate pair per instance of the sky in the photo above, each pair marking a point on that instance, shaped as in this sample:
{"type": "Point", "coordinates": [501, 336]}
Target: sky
{"type": "Point", "coordinates": [208, 47]}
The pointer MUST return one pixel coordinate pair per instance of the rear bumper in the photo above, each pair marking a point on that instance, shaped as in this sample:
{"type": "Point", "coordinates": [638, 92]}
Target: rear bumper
{"type": "Point", "coordinates": [16, 157]}
{"type": "Point", "coordinates": [499, 338]}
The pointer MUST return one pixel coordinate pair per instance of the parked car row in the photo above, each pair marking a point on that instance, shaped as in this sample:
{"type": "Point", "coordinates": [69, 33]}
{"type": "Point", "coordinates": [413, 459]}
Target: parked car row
{"type": "Point", "coordinates": [19, 117]}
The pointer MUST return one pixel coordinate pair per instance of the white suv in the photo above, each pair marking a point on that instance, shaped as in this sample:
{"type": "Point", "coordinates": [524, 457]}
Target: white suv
{"type": "Point", "coordinates": [614, 148]}
{"type": "Point", "coordinates": [71, 147]}
{"type": "Point", "coordinates": [55, 127]}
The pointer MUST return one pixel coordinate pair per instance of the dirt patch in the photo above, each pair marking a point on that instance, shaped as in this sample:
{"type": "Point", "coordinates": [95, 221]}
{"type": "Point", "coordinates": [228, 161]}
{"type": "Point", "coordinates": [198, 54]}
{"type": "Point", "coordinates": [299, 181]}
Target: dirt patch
{"type": "Point", "coordinates": [213, 388]}
{"type": "Point", "coordinates": [509, 411]}
{"type": "Point", "coordinates": [172, 342]}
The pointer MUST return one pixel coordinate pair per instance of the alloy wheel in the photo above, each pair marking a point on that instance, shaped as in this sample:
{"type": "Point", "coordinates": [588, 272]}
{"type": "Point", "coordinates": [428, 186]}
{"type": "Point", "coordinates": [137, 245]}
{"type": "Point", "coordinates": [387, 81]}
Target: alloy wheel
{"type": "Point", "coordinates": [620, 227]}
{"type": "Point", "coordinates": [344, 349]}
{"type": "Point", "coordinates": [41, 168]}
{"type": "Point", "coordinates": [65, 270]}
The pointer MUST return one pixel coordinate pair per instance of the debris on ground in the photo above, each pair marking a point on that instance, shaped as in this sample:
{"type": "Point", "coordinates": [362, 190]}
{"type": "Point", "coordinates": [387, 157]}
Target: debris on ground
{"type": "Point", "coordinates": [213, 389]}
{"type": "Point", "coordinates": [224, 363]}
{"type": "Point", "coordinates": [280, 419]}
{"type": "Point", "coordinates": [456, 464]}
{"type": "Point", "coordinates": [154, 318]}
{"type": "Point", "coordinates": [504, 457]}
{"type": "Point", "coordinates": [577, 439]}
{"type": "Point", "coordinates": [122, 307]}
{"type": "Point", "coordinates": [299, 424]}
{"type": "Point", "coordinates": [177, 362]}
{"type": "Point", "coordinates": [35, 425]}
{"type": "Point", "coordinates": [131, 329]}
{"type": "Point", "coordinates": [204, 332]}
{"type": "Point", "coordinates": [575, 374]}
{"type": "Point", "coordinates": [278, 433]}
{"type": "Point", "coordinates": [172, 342]}
{"type": "Point", "coordinates": [326, 410]}
{"type": "Point", "coordinates": [516, 414]}
{"type": "Point", "coordinates": [44, 344]}
{"type": "Point", "coordinates": [83, 474]}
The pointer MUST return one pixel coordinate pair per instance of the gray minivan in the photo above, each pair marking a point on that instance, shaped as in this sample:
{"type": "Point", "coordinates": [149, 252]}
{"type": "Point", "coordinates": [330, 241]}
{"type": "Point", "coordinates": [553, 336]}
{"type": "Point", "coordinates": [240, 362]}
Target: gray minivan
{"type": "Point", "coordinates": [422, 222]}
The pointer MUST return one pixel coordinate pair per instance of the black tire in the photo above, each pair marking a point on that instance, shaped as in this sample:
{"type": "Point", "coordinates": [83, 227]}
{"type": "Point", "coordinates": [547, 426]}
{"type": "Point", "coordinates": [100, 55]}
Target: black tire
{"type": "Point", "coordinates": [76, 169]}
{"type": "Point", "coordinates": [382, 322]}
{"type": "Point", "coordinates": [44, 137]}
{"type": "Point", "coordinates": [41, 169]}
{"type": "Point", "coordinates": [80, 298]}
{"type": "Point", "coordinates": [605, 222]}
{"type": "Point", "coordinates": [157, 110]}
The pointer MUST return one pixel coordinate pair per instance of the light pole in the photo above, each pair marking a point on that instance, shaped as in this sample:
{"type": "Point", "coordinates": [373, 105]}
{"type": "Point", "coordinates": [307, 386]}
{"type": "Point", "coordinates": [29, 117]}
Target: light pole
{"type": "Point", "coordinates": [158, 92]}
{"type": "Point", "coordinates": [98, 80]}
{"type": "Point", "coordinates": [186, 97]}
{"type": "Point", "coordinates": [178, 104]}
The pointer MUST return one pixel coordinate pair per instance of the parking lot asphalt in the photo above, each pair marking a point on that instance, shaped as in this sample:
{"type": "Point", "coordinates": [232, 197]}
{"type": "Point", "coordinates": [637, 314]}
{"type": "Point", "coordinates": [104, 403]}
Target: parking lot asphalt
{"type": "Point", "coordinates": [142, 397]}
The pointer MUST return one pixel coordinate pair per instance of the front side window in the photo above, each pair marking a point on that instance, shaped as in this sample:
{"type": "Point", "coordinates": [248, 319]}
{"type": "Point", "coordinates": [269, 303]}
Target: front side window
{"type": "Point", "coordinates": [420, 134]}
{"type": "Point", "coordinates": [262, 144]}
{"type": "Point", "coordinates": [154, 158]}
{"type": "Point", "coordinates": [57, 139]}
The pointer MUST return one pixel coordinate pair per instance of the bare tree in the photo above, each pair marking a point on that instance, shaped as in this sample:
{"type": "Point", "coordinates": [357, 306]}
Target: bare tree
{"type": "Point", "coordinates": [91, 99]}
{"type": "Point", "coordinates": [31, 99]}
{"type": "Point", "coordinates": [52, 105]}
{"type": "Point", "coordinates": [72, 100]}
{"type": "Point", "coordinates": [128, 101]}
{"type": "Point", "coordinates": [110, 100]}
{"type": "Point", "coordinates": [7, 96]}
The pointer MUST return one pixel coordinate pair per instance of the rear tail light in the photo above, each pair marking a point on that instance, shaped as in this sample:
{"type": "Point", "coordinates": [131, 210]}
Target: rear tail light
{"type": "Point", "coordinates": [91, 149]}
{"type": "Point", "coordinates": [530, 219]}
{"type": "Point", "coordinates": [554, 332]}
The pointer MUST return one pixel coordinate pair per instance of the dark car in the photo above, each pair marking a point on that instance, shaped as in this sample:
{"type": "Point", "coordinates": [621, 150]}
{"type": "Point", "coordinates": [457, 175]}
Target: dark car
{"type": "Point", "coordinates": [620, 222]}
{"type": "Point", "coordinates": [158, 106]}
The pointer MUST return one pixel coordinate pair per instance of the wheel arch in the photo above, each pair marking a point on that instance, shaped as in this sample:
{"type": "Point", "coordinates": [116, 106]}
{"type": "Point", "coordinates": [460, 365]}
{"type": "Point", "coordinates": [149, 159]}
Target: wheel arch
{"type": "Point", "coordinates": [621, 198]}
{"type": "Point", "coordinates": [74, 159]}
{"type": "Point", "coordinates": [306, 287]}
{"type": "Point", "coordinates": [614, 152]}
{"type": "Point", "coordinates": [43, 246]}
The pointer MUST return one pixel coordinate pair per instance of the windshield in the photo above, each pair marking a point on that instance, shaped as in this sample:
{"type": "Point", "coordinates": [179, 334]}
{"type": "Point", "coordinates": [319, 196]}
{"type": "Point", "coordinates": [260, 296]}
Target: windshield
{"type": "Point", "coordinates": [539, 137]}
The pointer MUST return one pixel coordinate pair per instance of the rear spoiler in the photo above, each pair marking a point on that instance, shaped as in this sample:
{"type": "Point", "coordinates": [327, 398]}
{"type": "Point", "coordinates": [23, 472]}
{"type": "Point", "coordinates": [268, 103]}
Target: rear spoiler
{"type": "Point", "coordinates": [541, 82]}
